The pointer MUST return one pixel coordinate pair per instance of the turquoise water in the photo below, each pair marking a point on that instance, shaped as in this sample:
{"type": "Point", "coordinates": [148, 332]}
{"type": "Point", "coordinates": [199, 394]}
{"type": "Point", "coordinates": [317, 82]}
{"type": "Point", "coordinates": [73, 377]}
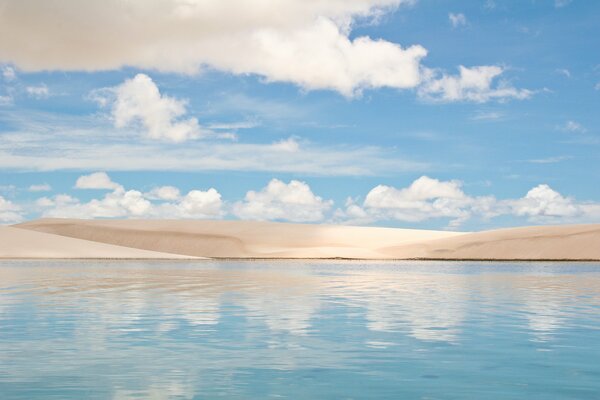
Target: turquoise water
{"type": "Point", "coordinates": [299, 330]}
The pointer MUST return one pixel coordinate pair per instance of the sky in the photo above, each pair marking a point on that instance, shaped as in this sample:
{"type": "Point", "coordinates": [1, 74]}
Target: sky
{"type": "Point", "coordinates": [460, 115]}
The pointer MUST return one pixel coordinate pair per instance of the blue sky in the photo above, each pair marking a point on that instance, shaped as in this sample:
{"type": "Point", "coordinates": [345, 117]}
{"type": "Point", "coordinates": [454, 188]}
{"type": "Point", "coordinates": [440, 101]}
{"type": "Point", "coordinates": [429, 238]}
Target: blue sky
{"type": "Point", "coordinates": [429, 114]}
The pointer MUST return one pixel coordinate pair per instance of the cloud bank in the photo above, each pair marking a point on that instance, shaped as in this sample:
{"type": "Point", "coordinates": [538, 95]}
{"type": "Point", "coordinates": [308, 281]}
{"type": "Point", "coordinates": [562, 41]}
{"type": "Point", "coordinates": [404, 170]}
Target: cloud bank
{"type": "Point", "coordinates": [304, 42]}
{"type": "Point", "coordinates": [307, 43]}
{"type": "Point", "coordinates": [425, 199]}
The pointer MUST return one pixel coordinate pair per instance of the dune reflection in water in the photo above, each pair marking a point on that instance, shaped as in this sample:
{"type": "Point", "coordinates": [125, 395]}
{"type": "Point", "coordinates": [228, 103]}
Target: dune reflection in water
{"type": "Point", "coordinates": [251, 329]}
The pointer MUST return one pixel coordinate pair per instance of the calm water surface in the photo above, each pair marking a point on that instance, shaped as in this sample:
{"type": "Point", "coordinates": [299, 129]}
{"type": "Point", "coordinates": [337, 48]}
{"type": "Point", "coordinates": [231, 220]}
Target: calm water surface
{"type": "Point", "coordinates": [299, 330]}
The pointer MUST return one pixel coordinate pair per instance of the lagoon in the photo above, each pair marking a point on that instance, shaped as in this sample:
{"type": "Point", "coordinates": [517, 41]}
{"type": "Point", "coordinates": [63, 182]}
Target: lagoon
{"type": "Point", "coordinates": [299, 330]}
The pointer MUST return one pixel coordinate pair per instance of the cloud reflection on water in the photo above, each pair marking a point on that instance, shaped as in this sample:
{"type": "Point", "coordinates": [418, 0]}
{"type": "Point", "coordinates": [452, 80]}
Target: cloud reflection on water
{"type": "Point", "coordinates": [209, 317]}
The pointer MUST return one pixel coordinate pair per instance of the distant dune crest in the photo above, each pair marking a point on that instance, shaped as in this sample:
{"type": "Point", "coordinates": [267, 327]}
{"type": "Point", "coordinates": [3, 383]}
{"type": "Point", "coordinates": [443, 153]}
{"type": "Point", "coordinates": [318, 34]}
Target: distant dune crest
{"type": "Point", "coordinates": [182, 239]}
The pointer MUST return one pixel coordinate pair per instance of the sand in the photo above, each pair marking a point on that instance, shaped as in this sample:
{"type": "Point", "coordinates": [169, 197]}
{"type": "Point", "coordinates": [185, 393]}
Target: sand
{"type": "Point", "coordinates": [567, 242]}
{"type": "Point", "coordinates": [250, 239]}
{"type": "Point", "coordinates": [23, 243]}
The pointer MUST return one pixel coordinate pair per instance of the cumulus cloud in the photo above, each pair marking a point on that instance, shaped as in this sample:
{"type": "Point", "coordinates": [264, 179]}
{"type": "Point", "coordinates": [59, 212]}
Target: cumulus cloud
{"type": "Point", "coordinates": [137, 102]}
{"type": "Point", "coordinates": [428, 198]}
{"type": "Point", "coordinates": [122, 203]}
{"type": "Point", "coordinates": [542, 203]}
{"type": "Point", "coordinates": [425, 198]}
{"type": "Point", "coordinates": [304, 42]}
{"type": "Point", "coordinates": [476, 84]}
{"type": "Point", "coordinates": [38, 92]}
{"type": "Point", "coordinates": [10, 213]}
{"type": "Point", "coordinates": [293, 201]}
{"type": "Point", "coordinates": [195, 204]}
{"type": "Point", "coordinates": [42, 187]}
{"type": "Point", "coordinates": [96, 180]}
{"type": "Point", "coordinates": [457, 20]}
{"type": "Point", "coordinates": [164, 193]}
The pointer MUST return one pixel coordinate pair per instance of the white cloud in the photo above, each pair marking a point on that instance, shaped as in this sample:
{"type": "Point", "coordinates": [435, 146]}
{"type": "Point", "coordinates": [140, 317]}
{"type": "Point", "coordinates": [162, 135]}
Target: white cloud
{"type": "Point", "coordinates": [8, 73]}
{"type": "Point", "coordinates": [195, 204]}
{"type": "Point", "coordinates": [96, 180]}
{"type": "Point", "coordinates": [489, 5]}
{"type": "Point", "coordinates": [292, 201]}
{"type": "Point", "coordinates": [117, 204]}
{"type": "Point", "coordinates": [138, 101]}
{"type": "Point", "coordinates": [235, 125]}
{"type": "Point", "coordinates": [164, 193]}
{"type": "Point", "coordinates": [10, 213]}
{"type": "Point", "coordinates": [428, 198]}
{"type": "Point", "coordinates": [289, 145]}
{"type": "Point", "coordinates": [76, 145]}
{"type": "Point", "coordinates": [488, 116]}
{"type": "Point", "coordinates": [424, 199]}
{"type": "Point", "coordinates": [457, 20]}
{"type": "Point", "coordinates": [549, 160]}
{"type": "Point", "coordinates": [572, 126]}
{"type": "Point", "coordinates": [542, 201]}
{"type": "Point", "coordinates": [39, 92]}
{"type": "Point", "coordinates": [474, 84]}
{"type": "Point", "coordinates": [43, 187]}
{"type": "Point", "coordinates": [122, 203]}
{"type": "Point", "coordinates": [304, 42]}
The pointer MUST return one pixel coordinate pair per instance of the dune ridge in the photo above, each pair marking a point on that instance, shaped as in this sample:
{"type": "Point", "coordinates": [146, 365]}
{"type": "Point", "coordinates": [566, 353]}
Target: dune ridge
{"type": "Point", "coordinates": [254, 240]}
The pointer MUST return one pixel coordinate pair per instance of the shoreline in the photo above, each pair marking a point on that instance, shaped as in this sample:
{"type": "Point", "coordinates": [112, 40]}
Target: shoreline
{"type": "Point", "coordinates": [256, 259]}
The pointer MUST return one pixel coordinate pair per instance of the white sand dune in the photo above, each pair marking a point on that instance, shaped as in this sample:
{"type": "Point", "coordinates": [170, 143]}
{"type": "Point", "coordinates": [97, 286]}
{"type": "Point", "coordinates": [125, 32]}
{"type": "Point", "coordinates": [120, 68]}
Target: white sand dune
{"type": "Point", "coordinates": [249, 239]}
{"type": "Point", "coordinates": [23, 243]}
{"type": "Point", "coordinates": [567, 242]}
{"type": "Point", "coordinates": [238, 239]}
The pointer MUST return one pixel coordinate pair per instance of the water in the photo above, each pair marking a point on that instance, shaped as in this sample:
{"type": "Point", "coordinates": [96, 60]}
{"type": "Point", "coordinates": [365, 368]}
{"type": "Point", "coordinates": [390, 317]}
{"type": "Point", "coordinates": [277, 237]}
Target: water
{"type": "Point", "coordinates": [299, 330]}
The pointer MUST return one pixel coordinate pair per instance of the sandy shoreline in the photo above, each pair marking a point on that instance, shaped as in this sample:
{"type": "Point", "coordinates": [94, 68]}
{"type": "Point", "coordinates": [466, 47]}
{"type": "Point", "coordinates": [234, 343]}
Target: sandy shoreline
{"type": "Point", "coordinates": [249, 240]}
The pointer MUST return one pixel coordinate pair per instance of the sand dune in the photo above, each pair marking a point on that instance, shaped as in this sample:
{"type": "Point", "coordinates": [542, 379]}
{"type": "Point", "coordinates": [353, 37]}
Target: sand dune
{"type": "Point", "coordinates": [238, 239]}
{"type": "Point", "coordinates": [22, 243]}
{"type": "Point", "coordinates": [568, 242]}
{"type": "Point", "coordinates": [249, 239]}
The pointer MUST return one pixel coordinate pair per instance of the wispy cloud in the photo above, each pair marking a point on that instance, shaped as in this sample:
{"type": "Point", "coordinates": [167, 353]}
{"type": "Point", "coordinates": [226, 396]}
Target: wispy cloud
{"type": "Point", "coordinates": [91, 143]}
{"type": "Point", "coordinates": [563, 71]}
{"type": "Point", "coordinates": [8, 73]}
{"type": "Point", "coordinates": [488, 116]}
{"type": "Point", "coordinates": [477, 84]}
{"type": "Point", "coordinates": [562, 3]}
{"type": "Point", "coordinates": [38, 92]}
{"type": "Point", "coordinates": [42, 187]}
{"type": "Point", "coordinates": [549, 160]}
{"type": "Point", "coordinates": [457, 20]}
{"type": "Point", "coordinates": [572, 126]}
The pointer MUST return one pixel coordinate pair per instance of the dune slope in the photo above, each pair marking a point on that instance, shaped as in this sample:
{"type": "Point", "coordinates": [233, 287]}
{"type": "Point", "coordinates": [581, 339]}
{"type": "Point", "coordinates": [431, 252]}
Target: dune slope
{"type": "Point", "coordinates": [250, 239]}
{"type": "Point", "coordinates": [23, 243]}
{"type": "Point", "coordinates": [569, 242]}
{"type": "Point", "coordinates": [238, 239]}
